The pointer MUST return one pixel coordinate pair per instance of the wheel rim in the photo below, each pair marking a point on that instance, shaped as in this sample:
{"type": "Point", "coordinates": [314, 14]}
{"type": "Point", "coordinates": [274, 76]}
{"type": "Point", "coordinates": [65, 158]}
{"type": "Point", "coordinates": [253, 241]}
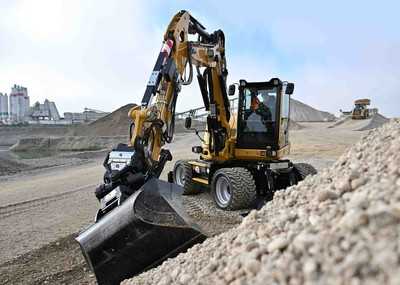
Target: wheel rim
{"type": "Point", "coordinates": [180, 176]}
{"type": "Point", "coordinates": [223, 191]}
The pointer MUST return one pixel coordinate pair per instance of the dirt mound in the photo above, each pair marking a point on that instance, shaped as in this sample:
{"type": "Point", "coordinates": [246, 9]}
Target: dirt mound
{"type": "Point", "coordinates": [114, 124]}
{"type": "Point", "coordinates": [8, 166]}
{"type": "Point", "coordinates": [68, 143]}
{"type": "Point", "coordinates": [9, 135]}
{"type": "Point", "coordinates": [341, 226]}
{"type": "Point", "coordinates": [301, 112]}
{"type": "Point", "coordinates": [375, 121]}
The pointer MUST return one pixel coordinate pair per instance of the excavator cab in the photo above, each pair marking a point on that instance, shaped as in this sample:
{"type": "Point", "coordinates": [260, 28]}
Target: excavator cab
{"type": "Point", "coordinates": [263, 114]}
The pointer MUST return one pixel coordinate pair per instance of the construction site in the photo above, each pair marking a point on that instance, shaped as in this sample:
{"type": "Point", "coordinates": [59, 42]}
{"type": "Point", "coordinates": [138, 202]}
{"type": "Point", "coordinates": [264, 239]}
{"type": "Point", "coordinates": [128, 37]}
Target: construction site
{"type": "Point", "coordinates": [255, 186]}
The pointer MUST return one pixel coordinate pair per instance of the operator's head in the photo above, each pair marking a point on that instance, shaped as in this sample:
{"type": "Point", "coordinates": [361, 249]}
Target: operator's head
{"type": "Point", "coordinates": [254, 101]}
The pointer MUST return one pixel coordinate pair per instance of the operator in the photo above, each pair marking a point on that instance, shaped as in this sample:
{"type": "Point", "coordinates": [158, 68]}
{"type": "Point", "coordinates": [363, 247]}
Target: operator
{"type": "Point", "coordinates": [261, 107]}
{"type": "Point", "coordinates": [256, 122]}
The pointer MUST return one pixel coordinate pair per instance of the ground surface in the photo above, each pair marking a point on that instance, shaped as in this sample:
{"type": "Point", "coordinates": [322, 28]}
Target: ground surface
{"type": "Point", "coordinates": [42, 210]}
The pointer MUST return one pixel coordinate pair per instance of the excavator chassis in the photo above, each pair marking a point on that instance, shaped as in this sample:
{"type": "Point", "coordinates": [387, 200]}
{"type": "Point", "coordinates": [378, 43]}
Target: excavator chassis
{"type": "Point", "coordinates": [262, 179]}
{"type": "Point", "coordinates": [149, 227]}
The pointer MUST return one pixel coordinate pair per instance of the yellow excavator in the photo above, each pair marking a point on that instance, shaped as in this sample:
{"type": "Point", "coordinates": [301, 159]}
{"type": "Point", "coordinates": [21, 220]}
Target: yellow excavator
{"type": "Point", "coordinates": [141, 220]}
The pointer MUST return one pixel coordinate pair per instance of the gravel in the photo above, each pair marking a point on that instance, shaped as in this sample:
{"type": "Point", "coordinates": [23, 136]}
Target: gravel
{"type": "Point", "coordinates": [341, 226]}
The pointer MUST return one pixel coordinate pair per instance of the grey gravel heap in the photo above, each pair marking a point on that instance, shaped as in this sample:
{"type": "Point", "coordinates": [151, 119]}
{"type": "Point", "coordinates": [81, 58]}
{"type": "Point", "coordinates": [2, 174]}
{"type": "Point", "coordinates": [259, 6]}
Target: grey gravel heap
{"type": "Point", "coordinates": [341, 226]}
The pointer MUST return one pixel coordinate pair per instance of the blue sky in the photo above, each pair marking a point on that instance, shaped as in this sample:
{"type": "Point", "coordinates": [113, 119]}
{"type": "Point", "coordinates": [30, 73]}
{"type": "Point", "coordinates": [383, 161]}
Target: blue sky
{"type": "Point", "coordinates": [99, 54]}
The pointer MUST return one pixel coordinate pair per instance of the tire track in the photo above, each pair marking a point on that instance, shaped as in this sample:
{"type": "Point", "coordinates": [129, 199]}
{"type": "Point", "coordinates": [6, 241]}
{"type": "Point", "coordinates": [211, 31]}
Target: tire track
{"type": "Point", "coordinates": [21, 207]}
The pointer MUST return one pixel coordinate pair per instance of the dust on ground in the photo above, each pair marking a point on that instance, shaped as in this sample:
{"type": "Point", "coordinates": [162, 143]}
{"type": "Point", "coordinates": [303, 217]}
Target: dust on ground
{"type": "Point", "coordinates": [59, 262]}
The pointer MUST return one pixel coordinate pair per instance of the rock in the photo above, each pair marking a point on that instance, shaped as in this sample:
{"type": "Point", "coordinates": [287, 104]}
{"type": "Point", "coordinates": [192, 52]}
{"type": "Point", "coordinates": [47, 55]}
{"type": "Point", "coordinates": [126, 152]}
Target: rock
{"type": "Point", "coordinates": [166, 280]}
{"type": "Point", "coordinates": [211, 267]}
{"type": "Point", "coordinates": [309, 267]}
{"type": "Point", "coordinates": [359, 200]}
{"type": "Point", "coordinates": [353, 219]}
{"type": "Point", "coordinates": [277, 243]}
{"type": "Point", "coordinates": [250, 246]}
{"type": "Point", "coordinates": [174, 274]}
{"type": "Point", "coordinates": [358, 182]}
{"type": "Point", "coordinates": [185, 279]}
{"type": "Point", "coordinates": [384, 216]}
{"type": "Point", "coordinates": [252, 266]}
{"type": "Point", "coordinates": [354, 174]}
{"type": "Point", "coordinates": [327, 195]}
{"type": "Point", "coordinates": [343, 186]}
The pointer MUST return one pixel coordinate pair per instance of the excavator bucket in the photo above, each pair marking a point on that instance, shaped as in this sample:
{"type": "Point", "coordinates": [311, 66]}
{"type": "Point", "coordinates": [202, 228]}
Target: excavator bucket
{"type": "Point", "coordinates": [149, 227]}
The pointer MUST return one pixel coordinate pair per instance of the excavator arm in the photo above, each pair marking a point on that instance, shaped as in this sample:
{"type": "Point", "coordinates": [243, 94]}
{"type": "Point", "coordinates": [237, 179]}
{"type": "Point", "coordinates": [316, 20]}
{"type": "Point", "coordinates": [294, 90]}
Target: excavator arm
{"type": "Point", "coordinates": [154, 119]}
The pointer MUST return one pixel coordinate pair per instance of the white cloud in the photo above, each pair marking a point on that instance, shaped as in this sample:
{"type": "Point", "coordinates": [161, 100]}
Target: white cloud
{"type": "Point", "coordinates": [45, 20]}
{"type": "Point", "coordinates": [99, 54]}
{"type": "Point", "coordinates": [95, 54]}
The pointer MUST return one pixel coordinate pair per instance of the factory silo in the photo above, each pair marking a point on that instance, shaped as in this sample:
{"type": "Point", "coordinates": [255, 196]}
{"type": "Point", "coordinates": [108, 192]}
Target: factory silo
{"type": "Point", "coordinates": [3, 108]}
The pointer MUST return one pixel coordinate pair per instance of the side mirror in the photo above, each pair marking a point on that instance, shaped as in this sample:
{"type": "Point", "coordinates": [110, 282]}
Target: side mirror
{"type": "Point", "coordinates": [289, 88]}
{"type": "Point", "coordinates": [188, 122]}
{"type": "Point", "coordinates": [231, 90]}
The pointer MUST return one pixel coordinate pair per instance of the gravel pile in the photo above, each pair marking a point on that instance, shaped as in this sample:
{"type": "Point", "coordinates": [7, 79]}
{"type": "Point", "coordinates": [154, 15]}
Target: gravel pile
{"type": "Point", "coordinates": [116, 123]}
{"type": "Point", "coordinates": [375, 121]}
{"type": "Point", "coordinates": [341, 226]}
{"type": "Point", "coordinates": [301, 112]}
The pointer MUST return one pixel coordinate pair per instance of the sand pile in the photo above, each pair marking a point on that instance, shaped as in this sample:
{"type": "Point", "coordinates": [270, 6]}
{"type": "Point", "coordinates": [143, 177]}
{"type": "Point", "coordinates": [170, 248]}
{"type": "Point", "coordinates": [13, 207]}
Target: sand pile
{"type": "Point", "coordinates": [117, 123]}
{"type": "Point", "coordinates": [341, 226]}
{"type": "Point", "coordinates": [114, 124]}
{"type": "Point", "coordinates": [375, 121]}
{"type": "Point", "coordinates": [301, 112]}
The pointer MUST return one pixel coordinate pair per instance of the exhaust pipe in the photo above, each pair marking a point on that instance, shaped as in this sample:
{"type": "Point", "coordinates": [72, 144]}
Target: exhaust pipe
{"type": "Point", "coordinates": [149, 227]}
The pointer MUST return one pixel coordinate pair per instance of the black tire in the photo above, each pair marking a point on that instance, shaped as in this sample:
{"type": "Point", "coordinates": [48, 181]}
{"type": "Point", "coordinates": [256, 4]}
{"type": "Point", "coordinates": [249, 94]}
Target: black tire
{"type": "Point", "coordinates": [241, 188]}
{"type": "Point", "coordinates": [303, 170]}
{"type": "Point", "coordinates": [184, 178]}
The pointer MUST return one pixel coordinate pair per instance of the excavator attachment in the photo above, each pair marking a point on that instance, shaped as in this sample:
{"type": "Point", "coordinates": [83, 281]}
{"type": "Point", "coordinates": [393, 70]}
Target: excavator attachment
{"type": "Point", "coordinates": [147, 228]}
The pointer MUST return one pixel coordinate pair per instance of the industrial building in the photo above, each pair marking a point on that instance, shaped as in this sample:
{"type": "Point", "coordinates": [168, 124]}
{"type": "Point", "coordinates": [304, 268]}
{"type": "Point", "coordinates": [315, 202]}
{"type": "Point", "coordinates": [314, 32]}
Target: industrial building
{"type": "Point", "coordinates": [44, 112]}
{"type": "Point", "coordinates": [87, 116]}
{"type": "Point", "coordinates": [15, 109]}
{"type": "Point", "coordinates": [3, 108]}
{"type": "Point", "coordinates": [19, 104]}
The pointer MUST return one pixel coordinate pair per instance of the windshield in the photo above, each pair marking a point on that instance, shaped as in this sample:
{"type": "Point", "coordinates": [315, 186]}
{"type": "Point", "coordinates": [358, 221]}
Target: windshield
{"type": "Point", "coordinates": [259, 110]}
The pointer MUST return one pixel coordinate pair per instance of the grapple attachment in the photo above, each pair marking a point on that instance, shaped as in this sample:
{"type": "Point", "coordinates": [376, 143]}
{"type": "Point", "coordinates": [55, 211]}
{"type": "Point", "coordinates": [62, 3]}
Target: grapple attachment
{"type": "Point", "coordinates": [149, 227]}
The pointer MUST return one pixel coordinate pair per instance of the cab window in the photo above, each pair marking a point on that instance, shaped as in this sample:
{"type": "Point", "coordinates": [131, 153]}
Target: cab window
{"type": "Point", "coordinates": [259, 109]}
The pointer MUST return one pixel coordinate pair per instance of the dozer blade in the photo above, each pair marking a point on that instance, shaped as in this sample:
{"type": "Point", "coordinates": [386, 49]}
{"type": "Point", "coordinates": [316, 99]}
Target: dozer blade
{"type": "Point", "coordinates": [149, 227]}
